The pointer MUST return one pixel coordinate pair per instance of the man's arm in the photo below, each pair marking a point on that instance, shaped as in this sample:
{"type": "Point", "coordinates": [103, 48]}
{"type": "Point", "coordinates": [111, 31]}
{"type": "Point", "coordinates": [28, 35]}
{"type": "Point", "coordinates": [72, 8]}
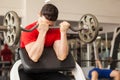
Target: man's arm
{"type": "Point", "coordinates": [99, 64]}
{"type": "Point", "coordinates": [61, 46]}
{"type": "Point", "coordinates": [36, 48]}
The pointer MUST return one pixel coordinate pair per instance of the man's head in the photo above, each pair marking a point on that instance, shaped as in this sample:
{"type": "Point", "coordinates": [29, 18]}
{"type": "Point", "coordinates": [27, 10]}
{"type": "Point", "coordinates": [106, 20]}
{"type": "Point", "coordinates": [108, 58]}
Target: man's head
{"type": "Point", "coordinates": [50, 12]}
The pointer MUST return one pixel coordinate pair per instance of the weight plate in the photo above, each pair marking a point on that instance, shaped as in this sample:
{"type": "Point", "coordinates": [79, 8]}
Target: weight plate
{"type": "Point", "coordinates": [89, 28]}
{"type": "Point", "coordinates": [12, 22]}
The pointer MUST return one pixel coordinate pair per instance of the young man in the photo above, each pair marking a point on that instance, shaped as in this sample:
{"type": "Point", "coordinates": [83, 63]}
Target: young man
{"type": "Point", "coordinates": [44, 36]}
{"type": "Point", "coordinates": [98, 73]}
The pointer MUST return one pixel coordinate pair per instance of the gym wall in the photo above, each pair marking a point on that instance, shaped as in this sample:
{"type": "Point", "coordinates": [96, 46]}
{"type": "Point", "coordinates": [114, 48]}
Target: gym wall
{"type": "Point", "coordinates": [106, 11]}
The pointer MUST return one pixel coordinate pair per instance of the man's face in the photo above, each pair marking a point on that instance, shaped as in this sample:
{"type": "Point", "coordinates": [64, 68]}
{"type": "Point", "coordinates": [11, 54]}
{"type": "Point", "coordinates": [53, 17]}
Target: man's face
{"type": "Point", "coordinates": [50, 23]}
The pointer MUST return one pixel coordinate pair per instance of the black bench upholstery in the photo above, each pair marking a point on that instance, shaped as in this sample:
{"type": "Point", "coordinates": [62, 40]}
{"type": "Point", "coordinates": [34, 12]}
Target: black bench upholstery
{"type": "Point", "coordinates": [47, 62]}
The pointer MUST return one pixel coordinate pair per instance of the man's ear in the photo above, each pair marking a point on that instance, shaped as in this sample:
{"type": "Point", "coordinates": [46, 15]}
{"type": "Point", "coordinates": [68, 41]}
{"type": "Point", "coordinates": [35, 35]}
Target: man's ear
{"type": "Point", "coordinates": [39, 14]}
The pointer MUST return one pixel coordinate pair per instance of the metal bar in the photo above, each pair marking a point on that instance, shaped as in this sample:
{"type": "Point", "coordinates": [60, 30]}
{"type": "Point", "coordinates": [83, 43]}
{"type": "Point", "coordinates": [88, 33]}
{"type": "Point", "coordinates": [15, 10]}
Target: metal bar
{"type": "Point", "coordinates": [102, 60]}
{"type": "Point", "coordinates": [3, 28]}
{"type": "Point", "coordinates": [88, 54]}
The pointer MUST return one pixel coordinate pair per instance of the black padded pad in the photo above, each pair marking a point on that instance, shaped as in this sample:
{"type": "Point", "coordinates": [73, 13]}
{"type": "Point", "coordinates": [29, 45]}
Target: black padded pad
{"type": "Point", "coordinates": [47, 62]}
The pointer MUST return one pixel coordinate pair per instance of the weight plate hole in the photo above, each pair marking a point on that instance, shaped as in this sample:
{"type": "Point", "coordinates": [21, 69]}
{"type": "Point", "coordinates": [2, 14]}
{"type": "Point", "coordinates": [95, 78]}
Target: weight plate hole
{"type": "Point", "coordinates": [90, 34]}
{"type": "Point", "coordinates": [14, 28]}
{"type": "Point", "coordinates": [85, 37]}
{"type": "Point", "coordinates": [6, 22]}
{"type": "Point", "coordinates": [93, 28]}
{"type": "Point", "coordinates": [91, 21]}
{"type": "Point", "coordinates": [81, 23]}
{"type": "Point", "coordinates": [85, 18]}
{"type": "Point", "coordinates": [9, 17]}
{"type": "Point", "coordinates": [13, 19]}
{"type": "Point", "coordinates": [13, 38]}
{"type": "Point", "coordinates": [9, 39]}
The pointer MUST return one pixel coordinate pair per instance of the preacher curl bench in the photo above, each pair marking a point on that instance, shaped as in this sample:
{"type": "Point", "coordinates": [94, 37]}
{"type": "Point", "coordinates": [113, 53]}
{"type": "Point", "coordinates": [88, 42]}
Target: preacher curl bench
{"type": "Point", "coordinates": [46, 63]}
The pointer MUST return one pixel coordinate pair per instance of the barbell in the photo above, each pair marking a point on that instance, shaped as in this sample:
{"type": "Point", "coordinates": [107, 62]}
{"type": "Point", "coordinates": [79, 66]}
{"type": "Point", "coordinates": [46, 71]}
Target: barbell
{"type": "Point", "coordinates": [87, 28]}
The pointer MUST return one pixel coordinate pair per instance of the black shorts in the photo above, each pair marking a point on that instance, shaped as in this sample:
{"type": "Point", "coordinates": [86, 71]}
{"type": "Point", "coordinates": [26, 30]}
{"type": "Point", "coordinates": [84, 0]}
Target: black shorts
{"type": "Point", "coordinates": [42, 76]}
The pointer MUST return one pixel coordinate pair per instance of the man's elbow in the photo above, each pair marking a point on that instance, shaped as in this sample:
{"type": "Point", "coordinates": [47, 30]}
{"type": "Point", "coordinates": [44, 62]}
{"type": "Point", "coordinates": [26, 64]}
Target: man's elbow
{"type": "Point", "coordinates": [33, 59]}
{"type": "Point", "coordinates": [62, 58]}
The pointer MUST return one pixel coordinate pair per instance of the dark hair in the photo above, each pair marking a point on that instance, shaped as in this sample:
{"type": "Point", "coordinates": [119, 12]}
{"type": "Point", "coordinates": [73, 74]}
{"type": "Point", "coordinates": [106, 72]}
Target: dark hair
{"type": "Point", "coordinates": [50, 12]}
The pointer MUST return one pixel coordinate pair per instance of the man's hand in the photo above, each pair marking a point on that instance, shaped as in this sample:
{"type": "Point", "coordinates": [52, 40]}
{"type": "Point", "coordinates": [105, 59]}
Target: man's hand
{"type": "Point", "coordinates": [64, 26]}
{"type": "Point", "coordinates": [43, 26]}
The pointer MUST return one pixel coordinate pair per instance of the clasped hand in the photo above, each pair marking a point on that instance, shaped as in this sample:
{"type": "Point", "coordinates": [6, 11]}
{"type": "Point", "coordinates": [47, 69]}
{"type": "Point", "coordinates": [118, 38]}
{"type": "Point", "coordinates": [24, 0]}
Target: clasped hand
{"type": "Point", "coordinates": [44, 25]}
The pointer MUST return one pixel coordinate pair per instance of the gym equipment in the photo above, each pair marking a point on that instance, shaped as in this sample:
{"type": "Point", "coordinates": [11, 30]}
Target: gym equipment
{"type": "Point", "coordinates": [11, 29]}
{"type": "Point", "coordinates": [114, 49]}
{"type": "Point", "coordinates": [47, 62]}
{"type": "Point", "coordinates": [95, 51]}
{"type": "Point", "coordinates": [96, 45]}
{"type": "Point", "coordinates": [88, 28]}
{"type": "Point", "coordinates": [31, 67]}
{"type": "Point", "coordinates": [4, 70]}
{"type": "Point", "coordinates": [77, 72]}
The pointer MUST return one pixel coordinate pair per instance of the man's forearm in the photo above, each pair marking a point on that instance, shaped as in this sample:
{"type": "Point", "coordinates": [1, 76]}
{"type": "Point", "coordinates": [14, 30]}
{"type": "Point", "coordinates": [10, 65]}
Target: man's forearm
{"type": "Point", "coordinates": [63, 45]}
{"type": "Point", "coordinates": [37, 48]}
{"type": "Point", "coordinates": [99, 64]}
